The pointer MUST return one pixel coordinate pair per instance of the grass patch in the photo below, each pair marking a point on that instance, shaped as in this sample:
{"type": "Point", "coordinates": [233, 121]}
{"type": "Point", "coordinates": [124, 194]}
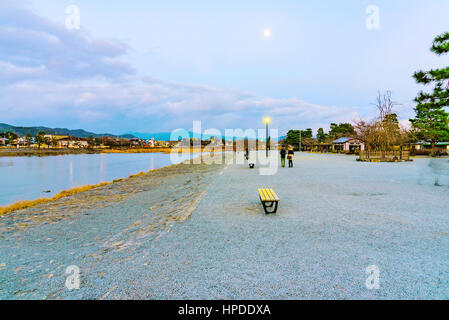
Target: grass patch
{"type": "Point", "coordinates": [138, 174]}
{"type": "Point", "coordinates": [138, 150]}
{"type": "Point", "coordinates": [65, 193]}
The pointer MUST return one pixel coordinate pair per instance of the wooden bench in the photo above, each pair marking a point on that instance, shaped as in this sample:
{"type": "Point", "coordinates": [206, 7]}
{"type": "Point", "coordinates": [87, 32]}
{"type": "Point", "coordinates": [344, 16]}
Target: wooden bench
{"type": "Point", "coordinates": [269, 200]}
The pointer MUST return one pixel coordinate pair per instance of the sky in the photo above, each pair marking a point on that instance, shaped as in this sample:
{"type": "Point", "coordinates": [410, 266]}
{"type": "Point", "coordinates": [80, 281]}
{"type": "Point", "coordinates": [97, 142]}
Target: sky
{"type": "Point", "coordinates": [154, 66]}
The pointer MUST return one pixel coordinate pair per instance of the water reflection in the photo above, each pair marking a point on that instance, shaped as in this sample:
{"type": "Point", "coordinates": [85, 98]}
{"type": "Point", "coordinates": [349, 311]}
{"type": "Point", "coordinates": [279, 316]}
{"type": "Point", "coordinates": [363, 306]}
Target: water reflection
{"type": "Point", "coordinates": [71, 171]}
{"type": "Point", "coordinates": [9, 163]}
{"type": "Point", "coordinates": [101, 168]}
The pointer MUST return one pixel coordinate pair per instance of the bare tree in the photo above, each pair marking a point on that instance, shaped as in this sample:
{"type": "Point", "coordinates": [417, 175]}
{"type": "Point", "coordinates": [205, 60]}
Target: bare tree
{"type": "Point", "coordinates": [383, 132]}
{"type": "Point", "coordinates": [385, 104]}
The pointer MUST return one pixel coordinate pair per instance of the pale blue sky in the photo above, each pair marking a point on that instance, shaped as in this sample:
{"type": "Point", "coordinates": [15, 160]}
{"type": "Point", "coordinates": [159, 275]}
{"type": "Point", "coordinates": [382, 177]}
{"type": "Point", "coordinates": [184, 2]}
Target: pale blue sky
{"type": "Point", "coordinates": [167, 63]}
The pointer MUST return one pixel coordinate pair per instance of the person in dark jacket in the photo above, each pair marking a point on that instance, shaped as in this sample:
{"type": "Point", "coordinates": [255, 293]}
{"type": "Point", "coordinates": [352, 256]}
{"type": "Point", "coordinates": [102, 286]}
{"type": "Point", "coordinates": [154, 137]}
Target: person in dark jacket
{"type": "Point", "coordinates": [283, 154]}
{"type": "Point", "coordinates": [290, 154]}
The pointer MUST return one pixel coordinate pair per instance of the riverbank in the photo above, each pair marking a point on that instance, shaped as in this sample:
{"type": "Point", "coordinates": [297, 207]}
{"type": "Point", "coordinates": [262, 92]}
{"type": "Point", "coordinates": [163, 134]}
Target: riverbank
{"type": "Point", "coordinates": [21, 205]}
{"type": "Point", "coordinates": [158, 150]}
{"type": "Point", "coordinates": [137, 150]}
{"type": "Point", "coordinates": [35, 152]}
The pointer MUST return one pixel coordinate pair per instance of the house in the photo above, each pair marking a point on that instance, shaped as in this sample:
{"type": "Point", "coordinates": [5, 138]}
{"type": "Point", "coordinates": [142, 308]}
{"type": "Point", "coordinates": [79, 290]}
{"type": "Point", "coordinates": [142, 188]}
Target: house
{"type": "Point", "coordinates": [151, 142]}
{"type": "Point", "coordinates": [3, 141]}
{"type": "Point", "coordinates": [136, 142]}
{"type": "Point", "coordinates": [159, 143]}
{"type": "Point", "coordinates": [173, 143]}
{"type": "Point", "coordinates": [52, 140]}
{"type": "Point", "coordinates": [183, 143]}
{"type": "Point", "coordinates": [18, 142]}
{"type": "Point", "coordinates": [72, 143]}
{"type": "Point", "coordinates": [22, 141]}
{"type": "Point", "coordinates": [425, 147]}
{"type": "Point", "coordinates": [348, 145]}
{"type": "Point", "coordinates": [322, 147]}
{"type": "Point", "coordinates": [54, 136]}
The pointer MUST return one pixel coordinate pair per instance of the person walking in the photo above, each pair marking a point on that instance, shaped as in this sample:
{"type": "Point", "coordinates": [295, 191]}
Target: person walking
{"type": "Point", "coordinates": [290, 156]}
{"type": "Point", "coordinates": [283, 154]}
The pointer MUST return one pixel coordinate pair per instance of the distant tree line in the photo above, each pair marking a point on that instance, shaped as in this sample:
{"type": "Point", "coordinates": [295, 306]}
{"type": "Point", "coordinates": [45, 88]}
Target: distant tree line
{"type": "Point", "coordinates": [42, 138]}
{"type": "Point", "coordinates": [306, 139]}
{"type": "Point", "coordinates": [8, 135]}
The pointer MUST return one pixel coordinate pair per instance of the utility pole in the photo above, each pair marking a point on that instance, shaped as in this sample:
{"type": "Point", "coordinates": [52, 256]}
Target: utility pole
{"type": "Point", "coordinates": [300, 137]}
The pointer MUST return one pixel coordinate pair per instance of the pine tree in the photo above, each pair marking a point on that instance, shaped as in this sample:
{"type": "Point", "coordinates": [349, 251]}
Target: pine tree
{"type": "Point", "coordinates": [320, 135]}
{"type": "Point", "coordinates": [431, 118]}
{"type": "Point", "coordinates": [341, 130]}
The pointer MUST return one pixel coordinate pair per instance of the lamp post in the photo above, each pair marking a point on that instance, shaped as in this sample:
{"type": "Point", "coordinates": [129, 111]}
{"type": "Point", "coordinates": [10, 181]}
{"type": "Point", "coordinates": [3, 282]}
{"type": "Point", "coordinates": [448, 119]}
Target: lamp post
{"type": "Point", "coordinates": [267, 121]}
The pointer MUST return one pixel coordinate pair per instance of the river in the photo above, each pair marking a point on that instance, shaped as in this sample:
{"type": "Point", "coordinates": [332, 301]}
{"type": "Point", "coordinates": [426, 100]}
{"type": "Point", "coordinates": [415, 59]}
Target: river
{"type": "Point", "coordinates": [30, 178]}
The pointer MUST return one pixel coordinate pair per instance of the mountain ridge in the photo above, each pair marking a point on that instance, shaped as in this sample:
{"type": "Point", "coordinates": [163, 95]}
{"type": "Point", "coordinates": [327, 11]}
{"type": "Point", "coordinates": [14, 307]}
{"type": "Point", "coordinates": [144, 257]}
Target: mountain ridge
{"type": "Point", "coordinates": [79, 133]}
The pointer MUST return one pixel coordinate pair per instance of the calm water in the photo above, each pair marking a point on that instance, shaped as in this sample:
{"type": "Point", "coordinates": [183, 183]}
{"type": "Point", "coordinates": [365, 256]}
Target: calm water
{"type": "Point", "coordinates": [26, 178]}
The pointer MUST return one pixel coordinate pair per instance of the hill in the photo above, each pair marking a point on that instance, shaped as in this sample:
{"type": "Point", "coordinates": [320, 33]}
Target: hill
{"type": "Point", "coordinates": [80, 133]}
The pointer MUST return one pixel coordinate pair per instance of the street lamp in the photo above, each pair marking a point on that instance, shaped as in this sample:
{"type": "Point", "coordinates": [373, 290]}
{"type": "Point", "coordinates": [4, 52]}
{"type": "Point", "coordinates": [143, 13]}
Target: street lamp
{"type": "Point", "coordinates": [267, 120]}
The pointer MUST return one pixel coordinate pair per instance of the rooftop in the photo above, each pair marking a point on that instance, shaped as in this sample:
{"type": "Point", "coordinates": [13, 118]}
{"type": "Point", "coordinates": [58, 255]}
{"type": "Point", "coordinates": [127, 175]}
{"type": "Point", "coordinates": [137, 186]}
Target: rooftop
{"type": "Point", "coordinates": [342, 140]}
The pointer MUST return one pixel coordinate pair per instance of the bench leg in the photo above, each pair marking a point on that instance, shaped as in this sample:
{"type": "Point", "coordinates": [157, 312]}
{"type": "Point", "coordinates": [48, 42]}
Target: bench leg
{"type": "Point", "coordinates": [270, 205]}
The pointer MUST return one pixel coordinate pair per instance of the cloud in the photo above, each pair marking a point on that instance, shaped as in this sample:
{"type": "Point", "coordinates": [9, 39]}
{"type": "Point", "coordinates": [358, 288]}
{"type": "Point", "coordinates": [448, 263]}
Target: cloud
{"type": "Point", "coordinates": [11, 73]}
{"type": "Point", "coordinates": [56, 77]}
{"type": "Point", "coordinates": [158, 105]}
{"type": "Point", "coordinates": [32, 46]}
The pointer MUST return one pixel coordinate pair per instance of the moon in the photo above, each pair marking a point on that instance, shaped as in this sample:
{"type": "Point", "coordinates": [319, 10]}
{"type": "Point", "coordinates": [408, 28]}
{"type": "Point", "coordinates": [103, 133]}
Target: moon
{"type": "Point", "coordinates": [267, 33]}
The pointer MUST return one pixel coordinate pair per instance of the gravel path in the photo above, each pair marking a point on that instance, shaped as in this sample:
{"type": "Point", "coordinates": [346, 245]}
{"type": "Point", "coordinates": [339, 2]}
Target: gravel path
{"type": "Point", "coordinates": [336, 217]}
{"type": "Point", "coordinates": [102, 231]}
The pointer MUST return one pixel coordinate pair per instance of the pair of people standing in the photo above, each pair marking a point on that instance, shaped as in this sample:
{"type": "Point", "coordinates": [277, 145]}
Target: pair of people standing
{"type": "Point", "coordinates": [289, 153]}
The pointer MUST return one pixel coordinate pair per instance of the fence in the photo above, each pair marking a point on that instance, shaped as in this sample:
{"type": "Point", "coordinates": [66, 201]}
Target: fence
{"type": "Point", "coordinates": [385, 156]}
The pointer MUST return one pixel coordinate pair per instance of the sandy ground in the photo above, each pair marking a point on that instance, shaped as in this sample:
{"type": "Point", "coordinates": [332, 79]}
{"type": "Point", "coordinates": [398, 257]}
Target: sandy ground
{"type": "Point", "coordinates": [336, 217]}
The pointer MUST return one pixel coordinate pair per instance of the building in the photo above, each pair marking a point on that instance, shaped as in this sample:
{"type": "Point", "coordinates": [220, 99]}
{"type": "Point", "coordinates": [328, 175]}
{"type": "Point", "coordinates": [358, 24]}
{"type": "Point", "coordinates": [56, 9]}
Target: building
{"type": "Point", "coordinates": [71, 143]}
{"type": "Point", "coordinates": [348, 145]}
{"type": "Point", "coordinates": [215, 142]}
{"type": "Point", "coordinates": [159, 143]}
{"type": "Point", "coordinates": [3, 141]}
{"type": "Point", "coordinates": [151, 142]}
{"type": "Point", "coordinates": [322, 147]}
{"type": "Point", "coordinates": [22, 141]}
{"type": "Point", "coordinates": [424, 147]}
{"type": "Point", "coordinates": [54, 136]}
{"type": "Point", "coordinates": [173, 143]}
